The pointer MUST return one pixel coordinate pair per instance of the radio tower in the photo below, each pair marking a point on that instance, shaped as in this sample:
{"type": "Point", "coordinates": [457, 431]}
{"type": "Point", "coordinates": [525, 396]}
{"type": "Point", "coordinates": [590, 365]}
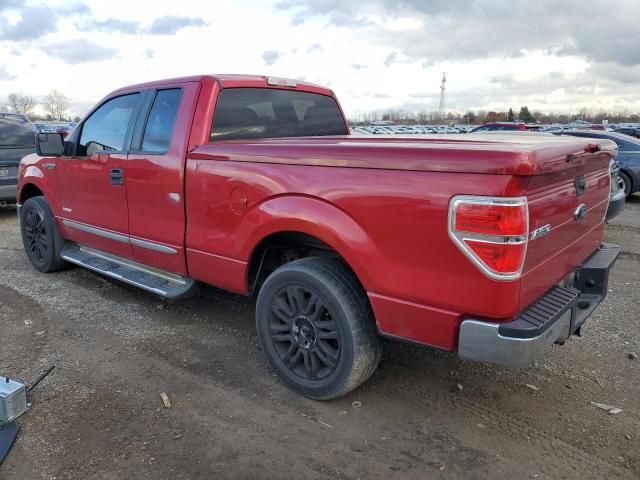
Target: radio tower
{"type": "Point", "coordinates": [443, 96]}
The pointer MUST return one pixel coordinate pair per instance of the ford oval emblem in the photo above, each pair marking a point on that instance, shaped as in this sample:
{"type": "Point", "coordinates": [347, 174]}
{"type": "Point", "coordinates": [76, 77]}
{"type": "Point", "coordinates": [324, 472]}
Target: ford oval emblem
{"type": "Point", "coordinates": [580, 212]}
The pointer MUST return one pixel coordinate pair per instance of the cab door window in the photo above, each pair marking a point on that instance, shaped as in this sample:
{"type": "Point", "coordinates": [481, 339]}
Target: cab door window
{"type": "Point", "coordinates": [106, 129]}
{"type": "Point", "coordinates": [162, 117]}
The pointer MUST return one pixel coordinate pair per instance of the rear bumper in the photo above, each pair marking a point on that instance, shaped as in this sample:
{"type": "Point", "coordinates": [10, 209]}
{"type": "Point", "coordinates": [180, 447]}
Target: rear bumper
{"type": "Point", "coordinates": [616, 205]}
{"type": "Point", "coordinates": [554, 317]}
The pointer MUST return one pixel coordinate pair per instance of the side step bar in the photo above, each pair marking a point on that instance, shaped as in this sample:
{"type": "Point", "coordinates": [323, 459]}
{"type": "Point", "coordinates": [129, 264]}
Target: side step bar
{"type": "Point", "coordinates": [163, 283]}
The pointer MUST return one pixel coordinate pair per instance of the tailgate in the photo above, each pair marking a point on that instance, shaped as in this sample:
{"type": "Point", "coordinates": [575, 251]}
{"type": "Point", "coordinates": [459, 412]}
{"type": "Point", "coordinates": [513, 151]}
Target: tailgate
{"type": "Point", "coordinates": [9, 160]}
{"type": "Point", "coordinates": [567, 208]}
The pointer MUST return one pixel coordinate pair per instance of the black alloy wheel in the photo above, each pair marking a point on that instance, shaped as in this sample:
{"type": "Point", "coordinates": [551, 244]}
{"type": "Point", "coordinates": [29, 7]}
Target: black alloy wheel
{"type": "Point", "coordinates": [40, 237]}
{"type": "Point", "coordinates": [35, 233]}
{"type": "Point", "coordinates": [304, 333]}
{"type": "Point", "coordinates": [316, 327]}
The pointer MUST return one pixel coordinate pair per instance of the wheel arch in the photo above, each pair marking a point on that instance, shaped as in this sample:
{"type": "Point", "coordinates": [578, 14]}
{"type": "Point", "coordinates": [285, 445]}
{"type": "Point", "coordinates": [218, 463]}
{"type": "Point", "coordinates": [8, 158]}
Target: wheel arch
{"type": "Point", "coordinates": [280, 248]}
{"type": "Point", "coordinates": [28, 191]}
{"type": "Point", "coordinates": [33, 182]}
{"type": "Point", "coordinates": [306, 226]}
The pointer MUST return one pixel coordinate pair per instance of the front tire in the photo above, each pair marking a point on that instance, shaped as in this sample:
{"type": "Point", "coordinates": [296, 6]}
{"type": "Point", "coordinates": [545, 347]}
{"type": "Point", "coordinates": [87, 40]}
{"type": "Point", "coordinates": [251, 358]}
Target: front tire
{"type": "Point", "coordinates": [316, 328]}
{"type": "Point", "coordinates": [40, 235]}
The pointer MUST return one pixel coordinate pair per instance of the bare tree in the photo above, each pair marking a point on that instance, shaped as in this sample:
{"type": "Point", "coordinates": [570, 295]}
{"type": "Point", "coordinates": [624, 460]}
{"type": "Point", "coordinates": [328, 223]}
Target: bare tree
{"type": "Point", "coordinates": [56, 104]}
{"type": "Point", "coordinates": [22, 104]}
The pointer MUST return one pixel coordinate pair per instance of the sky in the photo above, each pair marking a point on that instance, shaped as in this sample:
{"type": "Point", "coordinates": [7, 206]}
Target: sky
{"type": "Point", "coordinates": [553, 56]}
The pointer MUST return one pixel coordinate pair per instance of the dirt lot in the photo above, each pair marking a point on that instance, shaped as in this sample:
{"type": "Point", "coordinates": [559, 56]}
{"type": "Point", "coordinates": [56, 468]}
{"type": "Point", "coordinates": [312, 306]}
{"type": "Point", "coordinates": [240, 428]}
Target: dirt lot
{"type": "Point", "coordinates": [99, 414]}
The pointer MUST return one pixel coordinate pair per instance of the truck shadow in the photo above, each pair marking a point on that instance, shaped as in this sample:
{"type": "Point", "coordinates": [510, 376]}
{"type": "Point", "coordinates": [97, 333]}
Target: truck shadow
{"type": "Point", "coordinates": [7, 211]}
{"type": "Point", "coordinates": [219, 312]}
{"type": "Point", "coordinates": [407, 372]}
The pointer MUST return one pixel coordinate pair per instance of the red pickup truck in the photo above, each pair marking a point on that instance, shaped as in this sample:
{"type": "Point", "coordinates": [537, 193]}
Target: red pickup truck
{"type": "Point", "coordinates": [488, 246]}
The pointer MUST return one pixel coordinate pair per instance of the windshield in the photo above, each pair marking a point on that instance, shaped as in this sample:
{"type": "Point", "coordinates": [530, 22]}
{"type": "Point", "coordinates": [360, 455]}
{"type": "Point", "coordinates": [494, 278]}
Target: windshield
{"type": "Point", "coordinates": [16, 131]}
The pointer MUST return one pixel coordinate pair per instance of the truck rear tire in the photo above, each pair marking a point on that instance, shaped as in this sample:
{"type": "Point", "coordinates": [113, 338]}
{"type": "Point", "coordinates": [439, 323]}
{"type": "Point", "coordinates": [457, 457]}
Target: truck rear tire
{"type": "Point", "coordinates": [316, 327]}
{"type": "Point", "coordinates": [40, 235]}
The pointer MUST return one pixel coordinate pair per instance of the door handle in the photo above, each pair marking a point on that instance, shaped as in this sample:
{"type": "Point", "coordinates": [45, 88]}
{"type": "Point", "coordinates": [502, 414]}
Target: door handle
{"type": "Point", "coordinates": [116, 176]}
{"type": "Point", "coordinates": [581, 186]}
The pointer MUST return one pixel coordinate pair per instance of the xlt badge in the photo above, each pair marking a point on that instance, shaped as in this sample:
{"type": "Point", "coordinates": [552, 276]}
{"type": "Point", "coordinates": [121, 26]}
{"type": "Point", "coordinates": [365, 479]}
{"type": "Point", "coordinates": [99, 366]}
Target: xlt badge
{"type": "Point", "coordinates": [540, 232]}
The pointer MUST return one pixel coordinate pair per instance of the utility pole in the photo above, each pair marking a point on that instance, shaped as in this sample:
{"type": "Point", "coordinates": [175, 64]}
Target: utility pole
{"type": "Point", "coordinates": [442, 109]}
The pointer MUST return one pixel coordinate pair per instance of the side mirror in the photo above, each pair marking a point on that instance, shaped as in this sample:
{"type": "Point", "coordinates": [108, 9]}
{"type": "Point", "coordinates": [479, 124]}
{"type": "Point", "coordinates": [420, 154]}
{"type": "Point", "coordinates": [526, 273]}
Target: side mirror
{"type": "Point", "coordinates": [49, 144]}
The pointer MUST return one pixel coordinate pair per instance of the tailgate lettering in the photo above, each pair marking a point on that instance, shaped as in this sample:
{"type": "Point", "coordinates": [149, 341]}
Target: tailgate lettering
{"type": "Point", "coordinates": [540, 232]}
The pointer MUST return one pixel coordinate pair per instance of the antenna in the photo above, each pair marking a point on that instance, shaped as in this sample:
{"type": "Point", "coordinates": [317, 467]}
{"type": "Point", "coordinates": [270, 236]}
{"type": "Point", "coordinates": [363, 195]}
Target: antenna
{"type": "Point", "coordinates": [443, 96]}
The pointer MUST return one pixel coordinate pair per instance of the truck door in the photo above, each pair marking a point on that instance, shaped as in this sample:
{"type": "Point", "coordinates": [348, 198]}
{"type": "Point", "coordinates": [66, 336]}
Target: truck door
{"type": "Point", "coordinates": [92, 180]}
{"type": "Point", "coordinates": [155, 177]}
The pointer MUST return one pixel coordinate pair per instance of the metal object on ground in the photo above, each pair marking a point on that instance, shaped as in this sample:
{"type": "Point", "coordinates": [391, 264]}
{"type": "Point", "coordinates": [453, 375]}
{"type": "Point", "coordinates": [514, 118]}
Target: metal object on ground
{"type": "Point", "coordinates": [8, 434]}
{"type": "Point", "coordinates": [13, 403]}
{"type": "Point", "coordinates": [13, 400]}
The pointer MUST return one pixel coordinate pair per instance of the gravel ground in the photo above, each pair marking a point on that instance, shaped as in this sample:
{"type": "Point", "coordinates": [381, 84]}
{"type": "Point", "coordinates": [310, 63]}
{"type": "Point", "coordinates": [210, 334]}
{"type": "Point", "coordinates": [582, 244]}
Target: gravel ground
{"type": "Point", "coordinates": [424, 414]}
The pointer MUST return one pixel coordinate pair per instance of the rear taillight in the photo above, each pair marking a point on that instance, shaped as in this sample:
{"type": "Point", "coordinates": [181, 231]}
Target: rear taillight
{"type": "Point", "coordinates": [492, 232]}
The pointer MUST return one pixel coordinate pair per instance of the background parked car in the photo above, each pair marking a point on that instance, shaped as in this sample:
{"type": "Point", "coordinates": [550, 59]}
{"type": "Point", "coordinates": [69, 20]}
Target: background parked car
{"type": "Point", "coordinates": [62, 128]}
{"type": "Point", "coordinates": [17, 139]}
{"type": "Point", "coordinates": [632, 132]}
{"type": "Point", "coordinates": [499, 126]}
{"type": "Point", "coordinates": [628, 157]}
{"type": "Point", "coordinates": [553, 128]}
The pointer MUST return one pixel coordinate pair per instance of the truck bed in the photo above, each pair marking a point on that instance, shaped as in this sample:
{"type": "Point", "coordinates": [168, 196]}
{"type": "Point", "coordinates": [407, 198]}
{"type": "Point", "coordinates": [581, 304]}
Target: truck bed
{"type": "Point", "coordinates": [395, 194]}
{"type": "Point", "coordinates": [491, 154]}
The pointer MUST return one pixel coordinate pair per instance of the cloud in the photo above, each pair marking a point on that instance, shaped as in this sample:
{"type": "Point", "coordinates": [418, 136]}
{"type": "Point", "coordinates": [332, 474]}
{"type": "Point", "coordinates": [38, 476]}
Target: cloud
{"type": "Point", "coordinates": [271, 56]}
{"type": "Point", "coordinates": [316, 47]}
{"type": "Point", "coordinates": [110, 25]}
{"type": "Point", "coordinates": [508, 79]}
{"type": "Point", "coordinates": [167, 25]}
{"type": "Point", "coordinates": [610, 72]}
{"type": "Point", "coordinates": [4, 74]}
{"type": "Point", "coordinates": [35, 21]}
{"type": "Point", "coordinates": [170, 24]}
{"type": "Point", "coordinates": [79, 50]}
{"type": "Point", "coordinates": [7, 4]}
{"type": "Point", "coordinates": [391, 59]}
{"type": "Point", "coordinates": [477, 29]}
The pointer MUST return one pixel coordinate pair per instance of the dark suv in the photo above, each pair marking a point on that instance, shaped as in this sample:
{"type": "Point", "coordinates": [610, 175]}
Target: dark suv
{"type": "Point", "coordinates": [17, 139]}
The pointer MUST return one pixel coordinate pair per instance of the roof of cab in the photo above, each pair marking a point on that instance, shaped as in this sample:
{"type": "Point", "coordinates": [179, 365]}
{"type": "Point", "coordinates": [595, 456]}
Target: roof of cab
{"type": "Point", "coordinates": [231, 81]}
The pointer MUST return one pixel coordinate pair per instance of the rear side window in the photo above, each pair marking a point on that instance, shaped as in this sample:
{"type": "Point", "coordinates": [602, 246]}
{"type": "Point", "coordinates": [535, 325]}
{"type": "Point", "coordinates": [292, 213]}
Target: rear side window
{"type": "Point", "coordinates": [159, 129]}
{"type": "Point", "coordinates": [16, 130]}
{"type": "Point", "coordinates": [106, 128]}
{"type": "Point", "coordinates": [245, 113]}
